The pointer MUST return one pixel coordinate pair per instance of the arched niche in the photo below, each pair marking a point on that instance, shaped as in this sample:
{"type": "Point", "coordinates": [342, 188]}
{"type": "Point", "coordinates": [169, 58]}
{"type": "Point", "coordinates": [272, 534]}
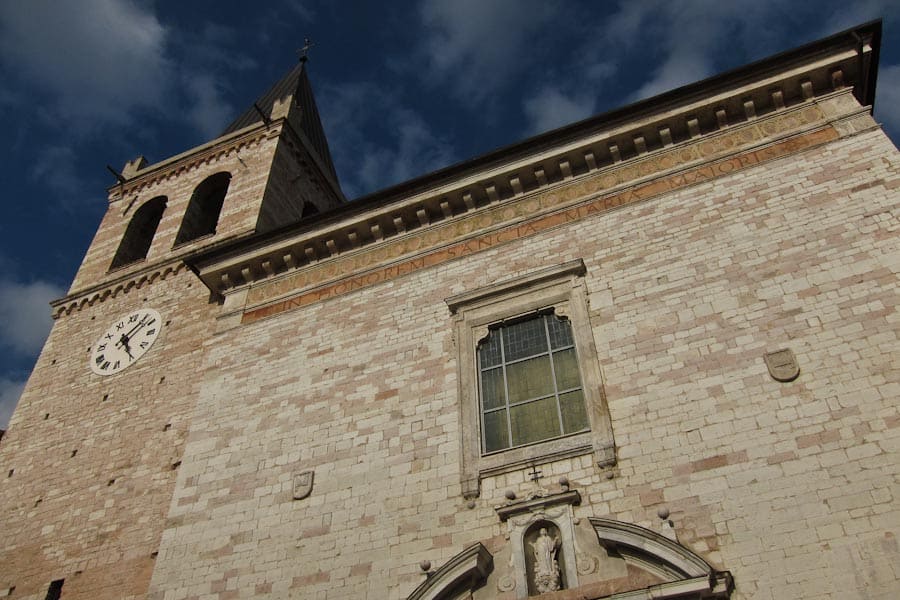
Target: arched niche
{"type": "Point", "coordinates": [202, 214]}
{"type": "Point", "coordinates": [545, 562]}
{"type": "Point", "coordinates": [596, 558]}
{"type": "Point", "coordinates": [139, 234]}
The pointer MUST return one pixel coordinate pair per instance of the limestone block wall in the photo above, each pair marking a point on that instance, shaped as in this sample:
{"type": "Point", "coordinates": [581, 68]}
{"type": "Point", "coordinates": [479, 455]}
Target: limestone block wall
{"type": "Point", "coordinates": [89, 463]}
{"type": "Point", "coordinates": [790, 486]}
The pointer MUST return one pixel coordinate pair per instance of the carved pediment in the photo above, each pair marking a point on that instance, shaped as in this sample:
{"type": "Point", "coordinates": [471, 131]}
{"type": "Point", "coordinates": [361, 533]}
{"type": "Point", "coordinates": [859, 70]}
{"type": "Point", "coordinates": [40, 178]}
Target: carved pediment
{"type": "Point", "coordinates": [654, 563]}
{"type": "Point", "coordinates": [613, 560]}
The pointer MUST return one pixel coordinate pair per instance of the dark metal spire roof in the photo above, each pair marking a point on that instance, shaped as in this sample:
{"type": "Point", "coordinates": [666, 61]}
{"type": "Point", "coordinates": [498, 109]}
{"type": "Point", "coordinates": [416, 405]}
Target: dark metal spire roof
{"type": "Point", "coordinates": [295, 83]}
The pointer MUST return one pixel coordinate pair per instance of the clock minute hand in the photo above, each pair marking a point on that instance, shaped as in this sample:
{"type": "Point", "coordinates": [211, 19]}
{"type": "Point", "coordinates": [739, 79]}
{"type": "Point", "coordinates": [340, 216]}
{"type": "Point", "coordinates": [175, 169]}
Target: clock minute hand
{"type": "Point", "coordinates": [127, 336]}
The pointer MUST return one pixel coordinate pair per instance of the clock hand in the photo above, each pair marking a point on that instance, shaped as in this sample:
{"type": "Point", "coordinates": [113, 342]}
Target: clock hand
{"type": "Point", "coordinates": [127, 336]}
{"type": "Point", "coordinates": [124, 341]}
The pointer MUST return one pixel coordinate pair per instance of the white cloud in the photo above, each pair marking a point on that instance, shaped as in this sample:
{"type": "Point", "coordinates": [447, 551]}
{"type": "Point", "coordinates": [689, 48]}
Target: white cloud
{"type": "Point", "coordinates": [208, 112]}
{"type": "Point", "coordinates": [101, 62]}
{"type": "Point", "coordinates": [212, 47]}
{"type": "Point", "coordinates": [550, 108]}
{"type": "Point", "coordinates": [688, 36]}
{"type": "Point", "coordinates": [10, 390]}
{"type": "Point", "coordinates": [850, 14]}
{"type": "Point", "coordinates": [25, 317]}
{"type": "Point", "coordinates": [680, 68]}
{"type": "Point", "coordinates": [55, 167]}
{"type": "Point", "coordinates": [478, 45]}
{"type": "Point", "coordinates": [100, 59]}
{"type": "Point", "coordinates": [302, 9]}
{"type": "Point", "coordinates": [686, 33]}
{"type": "Point", "coordinates": [356, 115]}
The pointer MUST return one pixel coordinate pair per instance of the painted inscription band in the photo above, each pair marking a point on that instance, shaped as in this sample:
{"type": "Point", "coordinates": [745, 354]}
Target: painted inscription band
{"type": "Point", "coordinates": [542, 223]}
{"type": "Point", "coordinates": [561, 195]}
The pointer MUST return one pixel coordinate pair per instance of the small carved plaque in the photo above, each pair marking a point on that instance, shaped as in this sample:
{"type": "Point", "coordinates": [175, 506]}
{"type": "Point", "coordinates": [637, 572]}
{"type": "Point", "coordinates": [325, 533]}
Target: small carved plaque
{"type": "Point", "coordinates": [782, 365]}
{"type": "Point", "coordinates": [303, 483]}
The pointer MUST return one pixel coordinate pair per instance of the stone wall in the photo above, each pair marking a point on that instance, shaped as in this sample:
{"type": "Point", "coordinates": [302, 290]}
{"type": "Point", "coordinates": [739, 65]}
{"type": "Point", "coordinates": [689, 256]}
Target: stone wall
{"type": "Point", "coordinates": [790, 486]}
{"type": "Point", "coordinates": [89, 462]}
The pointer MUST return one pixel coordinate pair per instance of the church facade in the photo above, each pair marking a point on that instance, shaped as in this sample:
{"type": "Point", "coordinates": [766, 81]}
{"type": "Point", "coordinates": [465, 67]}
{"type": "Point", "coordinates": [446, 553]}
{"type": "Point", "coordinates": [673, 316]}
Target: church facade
{"type": "Point", "coordinates": [652, 354]}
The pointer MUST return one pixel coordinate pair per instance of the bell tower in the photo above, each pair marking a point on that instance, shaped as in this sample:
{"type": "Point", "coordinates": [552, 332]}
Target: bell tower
{"type": "Point", "coordinates": [94, 448]}
{"type": "Point", "coordinates": [269, 168]}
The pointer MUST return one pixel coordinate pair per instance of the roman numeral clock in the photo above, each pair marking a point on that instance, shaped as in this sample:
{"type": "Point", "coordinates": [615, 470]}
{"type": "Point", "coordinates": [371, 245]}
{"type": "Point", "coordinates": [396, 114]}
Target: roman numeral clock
{"type": "Point", "coordinates": [125, 341]}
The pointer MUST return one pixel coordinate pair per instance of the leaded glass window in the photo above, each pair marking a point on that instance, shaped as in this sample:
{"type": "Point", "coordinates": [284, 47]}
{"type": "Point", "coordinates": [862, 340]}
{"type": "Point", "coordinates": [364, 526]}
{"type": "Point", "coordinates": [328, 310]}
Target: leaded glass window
{"type": "Point", "coordinates": [530, 386]}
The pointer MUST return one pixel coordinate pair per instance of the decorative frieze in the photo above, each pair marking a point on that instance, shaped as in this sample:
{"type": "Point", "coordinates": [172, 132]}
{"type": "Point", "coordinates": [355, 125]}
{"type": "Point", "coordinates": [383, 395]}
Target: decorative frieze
{"type": "Point", "coordinates": [536, 212]}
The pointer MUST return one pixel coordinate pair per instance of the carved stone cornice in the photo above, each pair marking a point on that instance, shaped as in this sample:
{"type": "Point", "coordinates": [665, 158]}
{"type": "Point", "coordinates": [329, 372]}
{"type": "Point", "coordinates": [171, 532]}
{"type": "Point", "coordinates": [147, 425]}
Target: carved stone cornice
{"type": "Point", "coordinates": [111, 289]}
{"type": "Point", "coordinates": [763, 112]}
{"type": "Point", "coordinates": [554, 273]}
{"type": "Point", "coordinates": [199, 155]}
{"type": "Point", "coordinates": [273, 286]}
{"type": "Point", "coordinates": [537, 504]}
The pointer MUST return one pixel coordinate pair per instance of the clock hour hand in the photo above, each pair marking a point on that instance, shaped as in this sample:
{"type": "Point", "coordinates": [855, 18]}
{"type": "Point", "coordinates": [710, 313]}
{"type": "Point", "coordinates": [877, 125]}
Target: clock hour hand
{"type": "Point", "coordinates": [124, 341]}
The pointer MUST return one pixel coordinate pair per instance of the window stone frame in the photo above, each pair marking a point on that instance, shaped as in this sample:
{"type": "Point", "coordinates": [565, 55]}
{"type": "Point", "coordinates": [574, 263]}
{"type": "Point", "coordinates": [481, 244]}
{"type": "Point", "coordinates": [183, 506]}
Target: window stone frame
{"type": "Point", "coordinates": [560, 288]}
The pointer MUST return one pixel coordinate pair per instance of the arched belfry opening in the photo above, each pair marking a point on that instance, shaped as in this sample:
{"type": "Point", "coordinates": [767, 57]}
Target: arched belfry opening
{"type": "Point", "coordinates": [309, 209]}
{"type": "Point", "coordinates": [139, 234]}
{"type": "Point", "coordinates": [202, 214]}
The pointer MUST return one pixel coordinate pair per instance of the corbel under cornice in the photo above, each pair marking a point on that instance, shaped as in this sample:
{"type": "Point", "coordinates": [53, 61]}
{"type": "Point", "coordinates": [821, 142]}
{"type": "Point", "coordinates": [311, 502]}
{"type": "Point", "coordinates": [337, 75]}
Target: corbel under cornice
{"type": "Point", "coordinates": [110, 289]}
{"type": "Point", "coordinates": [785, 83]}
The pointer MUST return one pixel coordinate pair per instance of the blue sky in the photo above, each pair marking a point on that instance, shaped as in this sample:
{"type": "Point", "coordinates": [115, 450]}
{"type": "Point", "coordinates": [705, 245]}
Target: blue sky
{"type": "Point", "coordinates": [403, 88]}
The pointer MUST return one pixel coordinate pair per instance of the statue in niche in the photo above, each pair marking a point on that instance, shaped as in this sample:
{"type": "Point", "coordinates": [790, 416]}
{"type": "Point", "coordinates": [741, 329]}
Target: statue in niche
{"type": "Point", "coordinates": [546, 567]}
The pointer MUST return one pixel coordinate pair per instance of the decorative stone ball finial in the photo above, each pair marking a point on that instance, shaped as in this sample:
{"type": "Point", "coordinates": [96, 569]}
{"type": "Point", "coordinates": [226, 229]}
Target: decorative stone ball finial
{"type": "Point", "coordinates": [564, 482]}
{"type": "Point", "coordinates": [667, 527]}
{"type": "Point", "coordinates": [425, 565]}
{"type": "Point", "coordinates": [510, 495]}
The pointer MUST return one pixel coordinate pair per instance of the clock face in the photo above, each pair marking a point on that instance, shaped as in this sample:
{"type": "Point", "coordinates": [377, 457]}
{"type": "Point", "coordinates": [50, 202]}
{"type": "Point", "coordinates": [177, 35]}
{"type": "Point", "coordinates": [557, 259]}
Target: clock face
{"type": "Point", "coordinates": [126, 340]}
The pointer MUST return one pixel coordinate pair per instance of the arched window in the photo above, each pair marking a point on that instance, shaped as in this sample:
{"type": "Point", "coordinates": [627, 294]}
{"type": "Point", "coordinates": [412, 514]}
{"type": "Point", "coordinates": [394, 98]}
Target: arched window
{"type": "Point", "coordinates": [202, 214]}
{"type": "Point", "coordinates": [530, 385]}
{"type": "Point", "coordinates": [139, 234]}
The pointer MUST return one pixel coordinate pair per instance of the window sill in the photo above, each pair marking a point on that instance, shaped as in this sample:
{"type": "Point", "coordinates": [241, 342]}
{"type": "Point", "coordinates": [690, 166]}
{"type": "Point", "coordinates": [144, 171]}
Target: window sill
{"type": "Point", "coordinates": [552, 450]}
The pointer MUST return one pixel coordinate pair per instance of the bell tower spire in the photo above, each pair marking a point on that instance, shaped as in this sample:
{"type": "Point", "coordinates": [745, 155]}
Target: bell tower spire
{"type": "Point", "coordinates": [269, 168]}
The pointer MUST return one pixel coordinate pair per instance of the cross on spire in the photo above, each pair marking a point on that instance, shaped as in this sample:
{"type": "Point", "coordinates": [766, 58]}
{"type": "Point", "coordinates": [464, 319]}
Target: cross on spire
{"type": "Point", "coordinates": [304, 51]}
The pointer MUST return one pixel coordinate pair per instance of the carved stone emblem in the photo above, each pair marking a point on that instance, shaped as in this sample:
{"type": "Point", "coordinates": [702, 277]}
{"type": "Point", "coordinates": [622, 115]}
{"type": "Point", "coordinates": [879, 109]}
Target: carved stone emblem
{"type": "Point", "coordinates": [782, 365]}
{"type": "Point", "coordinates": [585, 564]}
{"type": "Point", "coordinates": [303, 484]}
{"type": "Point", "coordinates": [506, 583]}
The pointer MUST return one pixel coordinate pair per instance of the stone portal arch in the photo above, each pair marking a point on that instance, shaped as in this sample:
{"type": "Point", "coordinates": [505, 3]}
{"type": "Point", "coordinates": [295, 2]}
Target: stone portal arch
{"type": "Point", "coordinates": [681, 573]}
{"type": "Point", "coordinates": [458, 577]}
